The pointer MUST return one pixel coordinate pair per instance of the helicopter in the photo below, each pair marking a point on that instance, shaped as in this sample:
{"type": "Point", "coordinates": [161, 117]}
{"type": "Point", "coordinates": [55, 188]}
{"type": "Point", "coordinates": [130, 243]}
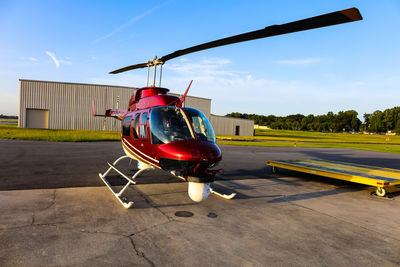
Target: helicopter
{"type": "Point", "coordinates": [159, 132]}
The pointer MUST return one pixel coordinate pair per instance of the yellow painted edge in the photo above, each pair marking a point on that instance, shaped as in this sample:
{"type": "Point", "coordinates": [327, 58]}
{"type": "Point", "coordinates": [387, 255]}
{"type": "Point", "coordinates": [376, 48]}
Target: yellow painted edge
{"type": "Point", "coordinates": [330, 174]}
{"type": "Point", "coordinates": [388, 173]}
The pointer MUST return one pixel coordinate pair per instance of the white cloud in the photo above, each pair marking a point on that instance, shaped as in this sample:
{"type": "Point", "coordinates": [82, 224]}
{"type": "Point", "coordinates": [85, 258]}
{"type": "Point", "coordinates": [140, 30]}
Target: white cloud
{"type": "Point", "coordinates": [33, 59]}
{"type": "Point", "coordinates": [133, 20]}
{"type": "Point", "coordinates": [126, 79]}
{"type": "Point", "coordinates": [58, 61]}
{"type": "Point", "coordinates": [233, 90]}
{"type": "Point", "coordinates": [65, 62]}
{"type": "Point", "coordinates": [304, 61]}
{"type": "Point", "coordinates": [206, 67]}
{"type": "Point", "coordinates": [53, 57]}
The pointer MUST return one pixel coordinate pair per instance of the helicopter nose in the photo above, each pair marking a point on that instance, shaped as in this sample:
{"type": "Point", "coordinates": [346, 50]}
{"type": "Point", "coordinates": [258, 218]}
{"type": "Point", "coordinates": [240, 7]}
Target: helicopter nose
{"type": "Point", "coordinates": [208, 152]}
{"type": "Point", "coordinates": [187, 154]}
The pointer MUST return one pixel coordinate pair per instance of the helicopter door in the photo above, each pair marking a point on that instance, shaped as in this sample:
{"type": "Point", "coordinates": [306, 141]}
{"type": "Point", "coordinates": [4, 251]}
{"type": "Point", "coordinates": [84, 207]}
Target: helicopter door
{"type": "Point", "coordinates": [144, 137]}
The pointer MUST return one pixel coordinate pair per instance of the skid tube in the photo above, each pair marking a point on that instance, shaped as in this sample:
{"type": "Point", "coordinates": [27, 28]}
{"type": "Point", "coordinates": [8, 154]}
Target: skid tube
{"type": "Point", "coordinates": [212, 190]}
{"type": "Point", "coordinates": [118, 195]}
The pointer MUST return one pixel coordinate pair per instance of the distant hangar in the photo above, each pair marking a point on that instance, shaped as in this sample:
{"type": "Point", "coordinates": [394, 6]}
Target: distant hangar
{"type": "Point", "coordinates": [62, 105]}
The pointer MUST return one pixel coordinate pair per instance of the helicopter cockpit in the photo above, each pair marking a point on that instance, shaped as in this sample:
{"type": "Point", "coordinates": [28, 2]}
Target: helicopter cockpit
{"type": "Point", "coordinates": [169, 124]}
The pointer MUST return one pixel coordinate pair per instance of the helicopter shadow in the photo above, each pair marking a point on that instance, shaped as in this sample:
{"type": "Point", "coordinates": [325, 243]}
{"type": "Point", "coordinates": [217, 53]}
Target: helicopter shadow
{"type": "Point", "coordinates": [263, 173]}
{"type": "Point", "coordinates": [311, 195]}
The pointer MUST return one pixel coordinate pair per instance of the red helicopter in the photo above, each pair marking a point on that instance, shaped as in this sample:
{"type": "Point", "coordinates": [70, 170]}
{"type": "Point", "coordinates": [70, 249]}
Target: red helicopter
{"type": "Point", "coordinates": [159, 132]}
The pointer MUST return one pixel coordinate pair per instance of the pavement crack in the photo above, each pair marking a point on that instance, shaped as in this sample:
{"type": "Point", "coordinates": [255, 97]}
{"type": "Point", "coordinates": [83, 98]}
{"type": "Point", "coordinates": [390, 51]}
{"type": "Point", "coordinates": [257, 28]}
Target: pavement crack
{"type": "Point", "coordinates": [139, 253]}
{"type": "Point", "coordinates": [53, 201]}
{"type": "Point", "coordinates": [32, 225]}
{"type": "Point", "coordinates": [83, 231]}
{"type": "Point", "coordinates": [152, 227]}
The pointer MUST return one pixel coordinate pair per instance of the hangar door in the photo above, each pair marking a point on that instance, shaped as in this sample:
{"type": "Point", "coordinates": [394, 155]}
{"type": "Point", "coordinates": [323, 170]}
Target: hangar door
{"type": "Point", "coordinates": [37, 118]}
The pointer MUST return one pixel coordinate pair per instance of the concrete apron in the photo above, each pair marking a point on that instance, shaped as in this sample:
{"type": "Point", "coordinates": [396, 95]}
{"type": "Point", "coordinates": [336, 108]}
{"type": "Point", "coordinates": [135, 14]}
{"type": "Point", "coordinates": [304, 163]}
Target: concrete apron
{"type": "Point", "coordinates": [276, 221]}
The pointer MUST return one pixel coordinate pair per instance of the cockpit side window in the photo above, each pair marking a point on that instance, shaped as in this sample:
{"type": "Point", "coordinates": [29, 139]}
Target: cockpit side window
{"type": "Point", "coordinates": [201, 125]}
{"type": "Point", "coordinates": [126, 126]}
{"type": "Point", "coordinates": [135, 128]}
{"type": "Point", "coordinates": [143, 125]}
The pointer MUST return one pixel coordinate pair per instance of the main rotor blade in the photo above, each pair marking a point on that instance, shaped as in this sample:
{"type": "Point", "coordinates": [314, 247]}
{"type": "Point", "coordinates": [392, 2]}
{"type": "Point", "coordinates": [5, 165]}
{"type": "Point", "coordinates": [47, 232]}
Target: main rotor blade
{"type": "Point", "coordinates": [131, 67]}
{"type": "Point", "coordinates": [338, 17]}
{"type": "Point", "coordinates": [334, 18]}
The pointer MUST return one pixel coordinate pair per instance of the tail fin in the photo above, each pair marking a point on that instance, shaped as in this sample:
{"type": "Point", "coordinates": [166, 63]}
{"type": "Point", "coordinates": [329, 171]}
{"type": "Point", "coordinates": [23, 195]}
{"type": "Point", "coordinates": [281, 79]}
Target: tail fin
{"type": "Point", "coordinates": [118, 114]}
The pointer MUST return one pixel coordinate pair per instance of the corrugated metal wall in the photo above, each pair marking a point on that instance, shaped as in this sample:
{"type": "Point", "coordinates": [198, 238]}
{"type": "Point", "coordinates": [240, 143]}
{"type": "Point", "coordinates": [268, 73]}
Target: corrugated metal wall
{"type": "Point", "coordinates": [70, 104]}
{"type": "Point", "coordinates": [227, 125]}
{"type": "Point", "coordinates": [202, 104]}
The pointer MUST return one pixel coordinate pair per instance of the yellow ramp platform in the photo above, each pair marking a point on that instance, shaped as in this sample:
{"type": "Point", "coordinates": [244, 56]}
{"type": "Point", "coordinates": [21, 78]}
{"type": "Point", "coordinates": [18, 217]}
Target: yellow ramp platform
{"type": "Point", "coordinates": [379, 177]}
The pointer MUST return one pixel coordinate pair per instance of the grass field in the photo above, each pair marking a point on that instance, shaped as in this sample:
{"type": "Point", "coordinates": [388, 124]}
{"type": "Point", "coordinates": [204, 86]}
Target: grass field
{"type": "Point", "coordinates": [13, 121]}
{"type": "Point", "coordinates": [13, 132]}
{"type": "Point", "coordinates": [285, 138]}
{"type": "Point", "coordinates": [264, 138]}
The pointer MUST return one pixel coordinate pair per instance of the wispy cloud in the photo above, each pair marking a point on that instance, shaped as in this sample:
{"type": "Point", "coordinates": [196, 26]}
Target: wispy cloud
{"type": "Point", "coordinates": [133, 20]}
{"type": "Point", "coordinates": [58, 61]}
{"type": "Point", "coordinates": [33, 59]}
{"type": "Point", "coordinates": [206, 67]}
{"type": "Point", "coordinates": [53, 57]}
{"type": "Point", "coordinates": [234, 90]}
{"type": "Point", "coordinates": [304, 61]}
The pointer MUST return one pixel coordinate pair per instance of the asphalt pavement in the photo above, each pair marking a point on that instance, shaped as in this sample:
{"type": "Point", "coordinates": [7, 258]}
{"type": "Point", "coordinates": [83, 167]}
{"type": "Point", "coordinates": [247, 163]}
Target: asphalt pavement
{"type": "Point", "coordinates": [55, 211]}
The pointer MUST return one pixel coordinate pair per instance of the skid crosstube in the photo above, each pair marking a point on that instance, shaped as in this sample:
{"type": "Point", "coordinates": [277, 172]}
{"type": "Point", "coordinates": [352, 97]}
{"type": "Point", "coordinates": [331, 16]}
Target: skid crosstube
{"type": "Point", "coordinates": [352, 172]}
{"type": "Point", "coordinates": [130, 181]}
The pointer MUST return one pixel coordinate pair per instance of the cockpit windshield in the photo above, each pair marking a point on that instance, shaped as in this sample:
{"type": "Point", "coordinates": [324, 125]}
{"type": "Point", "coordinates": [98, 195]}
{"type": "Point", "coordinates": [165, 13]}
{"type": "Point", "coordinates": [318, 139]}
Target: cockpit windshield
{"type": "Point", "coordinates": [201, 125]}
{"type": "Point", "coordinates": [168, 124]}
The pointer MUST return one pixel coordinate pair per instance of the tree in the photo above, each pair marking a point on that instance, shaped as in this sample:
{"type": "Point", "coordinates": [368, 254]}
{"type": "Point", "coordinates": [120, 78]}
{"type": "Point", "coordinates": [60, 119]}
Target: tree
{"type": "Point", "coordinates": [376, 122]}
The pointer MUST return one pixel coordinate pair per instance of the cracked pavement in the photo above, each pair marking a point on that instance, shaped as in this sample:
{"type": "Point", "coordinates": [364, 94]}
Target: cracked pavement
{"type": "Point", "coordinates": [54, 211]}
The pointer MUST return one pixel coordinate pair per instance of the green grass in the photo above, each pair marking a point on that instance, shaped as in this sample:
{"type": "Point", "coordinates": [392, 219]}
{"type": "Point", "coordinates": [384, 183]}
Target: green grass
{"type": "Point", "coordinates": [13, 132]}
{"type": "Point", "coordinates": [303, 136]}
{"type": "Point", "coordinates": [283, 138]}
{"type": "Point", "coordinates": [263, 138]}
{"type": "Point", "coordinates": [9, 120]}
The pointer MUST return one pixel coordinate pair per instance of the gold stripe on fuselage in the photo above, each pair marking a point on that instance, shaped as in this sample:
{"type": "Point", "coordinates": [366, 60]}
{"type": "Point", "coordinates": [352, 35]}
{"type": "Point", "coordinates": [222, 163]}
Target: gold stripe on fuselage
{"type": "Point", "coordinates": [136, 156]}
{"type": "Point", "coordinates": [137, 150]}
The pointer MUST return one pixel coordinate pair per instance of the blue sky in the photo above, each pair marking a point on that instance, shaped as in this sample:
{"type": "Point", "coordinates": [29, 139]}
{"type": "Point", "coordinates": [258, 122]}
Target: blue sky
{"type": "Point", "coordinates": [350, 66]}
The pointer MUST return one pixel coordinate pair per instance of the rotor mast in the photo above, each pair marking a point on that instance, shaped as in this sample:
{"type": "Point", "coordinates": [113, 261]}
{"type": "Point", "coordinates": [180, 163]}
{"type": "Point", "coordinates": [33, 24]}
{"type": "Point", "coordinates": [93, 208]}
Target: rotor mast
{"type": "Point", "coordinates": [156, 61]}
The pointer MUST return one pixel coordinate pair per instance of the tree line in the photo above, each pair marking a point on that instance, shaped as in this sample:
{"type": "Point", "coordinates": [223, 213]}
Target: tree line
{"type": "Point", "coordinates": [2, 116]}
{"type": "Point", "coordinates": [378, 121]}
{"type": "Point", "coordinates": [383, 121]}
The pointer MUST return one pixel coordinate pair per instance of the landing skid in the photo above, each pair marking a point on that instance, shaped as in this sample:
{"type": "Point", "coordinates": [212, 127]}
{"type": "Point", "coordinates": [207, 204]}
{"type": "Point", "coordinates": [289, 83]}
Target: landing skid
{"type": "Point", "coordinates": [118, 195]}
{"type": "Point", "coordinates": [232, 195]}
{"type": "Point", "coordinates": [225, 196]}
{"type": "Point", "coordinates": [143, 167]}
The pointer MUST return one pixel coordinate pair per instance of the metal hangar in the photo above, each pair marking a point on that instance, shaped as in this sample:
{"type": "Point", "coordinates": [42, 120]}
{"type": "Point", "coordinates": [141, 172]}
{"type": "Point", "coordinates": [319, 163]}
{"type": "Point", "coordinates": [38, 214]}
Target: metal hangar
{"type": "Point", "coordinates": [64, 105]}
